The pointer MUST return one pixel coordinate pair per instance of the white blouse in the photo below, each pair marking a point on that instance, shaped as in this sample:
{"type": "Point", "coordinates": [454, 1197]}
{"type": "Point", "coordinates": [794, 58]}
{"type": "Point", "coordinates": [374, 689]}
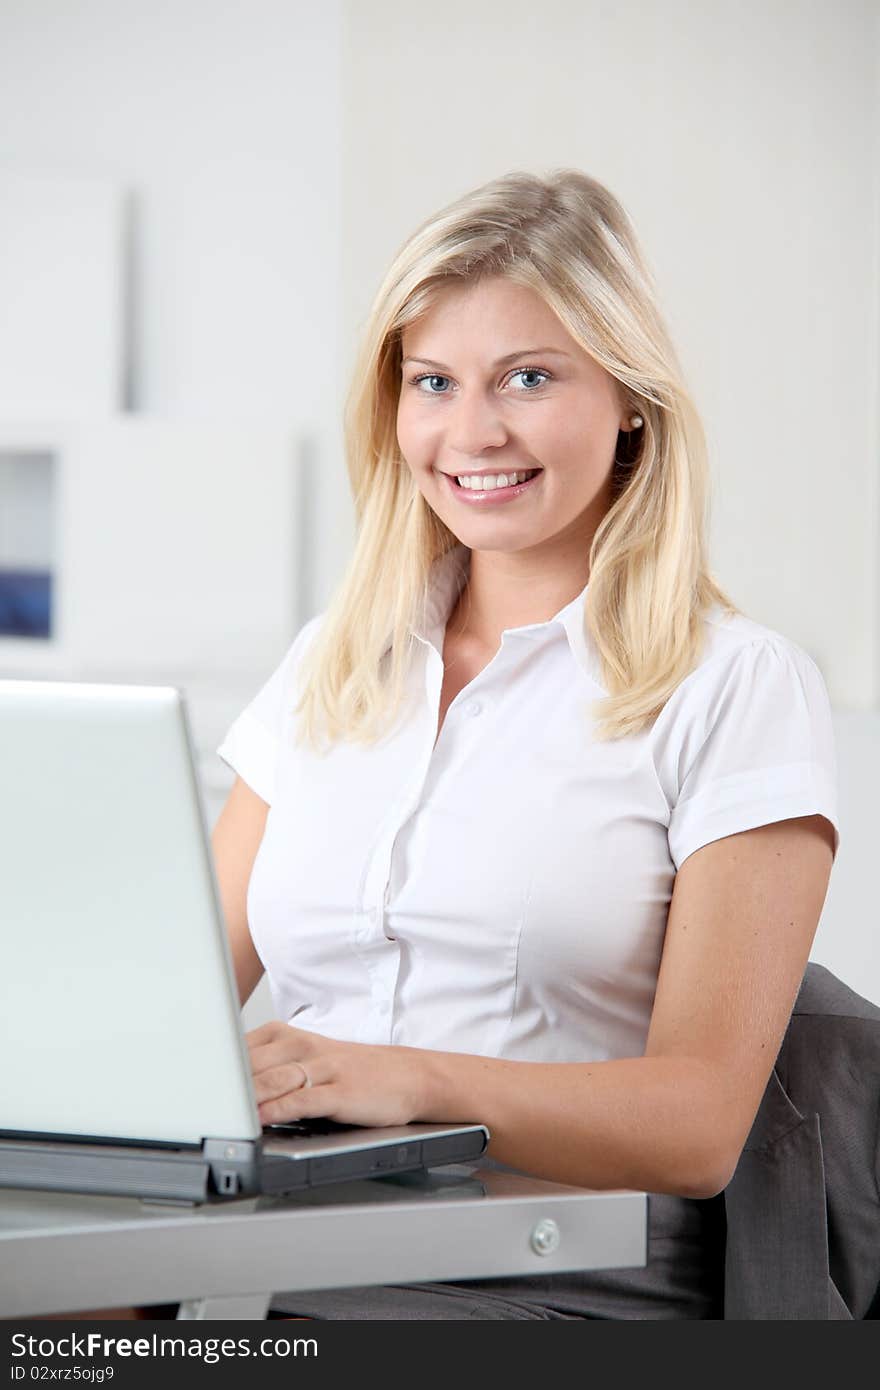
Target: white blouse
{"type": "Point", "coordinates": [506, 892]}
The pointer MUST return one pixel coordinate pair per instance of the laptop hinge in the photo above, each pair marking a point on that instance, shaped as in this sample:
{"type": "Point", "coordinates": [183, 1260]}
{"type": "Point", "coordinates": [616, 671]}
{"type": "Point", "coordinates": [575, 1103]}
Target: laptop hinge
{"type": "Point", "coordinates": [233, 1165]}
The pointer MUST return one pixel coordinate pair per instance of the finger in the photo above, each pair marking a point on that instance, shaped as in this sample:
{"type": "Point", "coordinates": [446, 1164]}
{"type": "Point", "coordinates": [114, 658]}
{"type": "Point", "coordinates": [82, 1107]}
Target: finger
{"type": "Point", "coordinates": [266, 1033]}
{"type": "Point", "coordinates": [306, 1103]}
{"type": "Point", "coordinates": [271, 1054]}
{"type": "Point", "coordinates": [279, 1081]}
{"type": "Point", "coordinates": [275, 1031]}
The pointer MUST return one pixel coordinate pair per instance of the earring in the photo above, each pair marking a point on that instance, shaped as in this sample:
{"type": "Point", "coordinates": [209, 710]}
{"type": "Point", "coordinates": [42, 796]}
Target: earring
{"type": "Point", "coordinates": [636, 421]}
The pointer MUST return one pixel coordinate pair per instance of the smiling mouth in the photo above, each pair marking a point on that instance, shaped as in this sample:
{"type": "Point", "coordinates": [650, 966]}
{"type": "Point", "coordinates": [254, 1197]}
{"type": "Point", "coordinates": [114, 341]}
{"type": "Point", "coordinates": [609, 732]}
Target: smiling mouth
{"type": "Point", "coordinates": [488, 493]}
{"type": "Point", "coordinates": [490, 482]}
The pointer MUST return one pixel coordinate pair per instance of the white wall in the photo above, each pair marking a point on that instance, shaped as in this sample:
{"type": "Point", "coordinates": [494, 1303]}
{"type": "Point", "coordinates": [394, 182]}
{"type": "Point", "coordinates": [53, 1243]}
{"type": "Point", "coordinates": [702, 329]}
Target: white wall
{"type": "Point", "coordinates": [62, 290]}
{"type": "Point", "coordinates": [222, 121]}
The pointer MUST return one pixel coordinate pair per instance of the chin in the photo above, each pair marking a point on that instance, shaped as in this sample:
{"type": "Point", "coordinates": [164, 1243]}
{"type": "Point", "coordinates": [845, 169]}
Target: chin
{"type": "Point", "coordinates": [503, 541]}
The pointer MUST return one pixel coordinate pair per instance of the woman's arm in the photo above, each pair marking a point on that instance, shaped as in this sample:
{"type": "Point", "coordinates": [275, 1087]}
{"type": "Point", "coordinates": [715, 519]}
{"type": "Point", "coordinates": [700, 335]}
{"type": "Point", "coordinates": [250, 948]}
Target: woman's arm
{"type": "Point", "coordinates": [741, 924]}
{"type": "Point", "coordinates": [235, 840]}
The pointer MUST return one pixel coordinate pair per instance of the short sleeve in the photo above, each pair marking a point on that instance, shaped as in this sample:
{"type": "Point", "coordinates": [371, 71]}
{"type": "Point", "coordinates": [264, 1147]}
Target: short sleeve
{"type": "Point", "coordinates": [757, 746]}
{"type": "Point", "coordinates": [251, 744]}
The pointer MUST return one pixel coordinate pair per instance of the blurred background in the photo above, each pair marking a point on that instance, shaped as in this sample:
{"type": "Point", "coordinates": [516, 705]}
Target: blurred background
{"type": "Point", "coordinates": [197, 202]}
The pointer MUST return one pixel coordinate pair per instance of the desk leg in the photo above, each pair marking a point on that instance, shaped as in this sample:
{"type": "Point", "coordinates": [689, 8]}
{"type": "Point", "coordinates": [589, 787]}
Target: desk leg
{"type": "Point", "coordinates": [251, 1306]}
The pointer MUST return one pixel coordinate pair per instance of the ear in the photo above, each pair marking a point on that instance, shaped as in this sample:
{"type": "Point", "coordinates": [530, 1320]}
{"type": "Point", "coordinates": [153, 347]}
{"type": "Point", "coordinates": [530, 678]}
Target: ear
{"type": "Point", "coordinates": [627, 409]}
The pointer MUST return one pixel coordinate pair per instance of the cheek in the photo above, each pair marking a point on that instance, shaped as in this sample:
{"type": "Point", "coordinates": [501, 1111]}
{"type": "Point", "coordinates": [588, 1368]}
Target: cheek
{"type": "Point", "coordinates": [412, 449]}
{"type": "Point", "coordinates": [407, 435]}
{"type": "Point", "coordinates": [416, 439]}
{"type": "Point", "coordinates": [585, 442]}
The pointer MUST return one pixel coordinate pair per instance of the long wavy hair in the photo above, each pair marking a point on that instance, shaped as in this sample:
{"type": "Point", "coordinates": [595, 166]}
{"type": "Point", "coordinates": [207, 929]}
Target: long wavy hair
{"type": "Point", "coordinates": [568, 238]}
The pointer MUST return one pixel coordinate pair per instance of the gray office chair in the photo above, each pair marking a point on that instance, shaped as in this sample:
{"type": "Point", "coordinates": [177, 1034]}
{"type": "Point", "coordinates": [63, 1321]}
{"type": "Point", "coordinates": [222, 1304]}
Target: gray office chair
{"type": "Point", "coordinates": [803, 1207]}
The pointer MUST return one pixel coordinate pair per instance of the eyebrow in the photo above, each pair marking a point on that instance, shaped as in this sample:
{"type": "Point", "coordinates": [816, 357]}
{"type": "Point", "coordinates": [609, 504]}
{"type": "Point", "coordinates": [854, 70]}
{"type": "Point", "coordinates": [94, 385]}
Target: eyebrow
{"type": "Point", "coordinates": [501, 362]}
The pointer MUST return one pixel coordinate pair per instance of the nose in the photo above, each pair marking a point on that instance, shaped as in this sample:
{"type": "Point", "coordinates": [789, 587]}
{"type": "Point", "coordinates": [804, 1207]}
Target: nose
{"type": "Point", "coordinates": [473, 425]}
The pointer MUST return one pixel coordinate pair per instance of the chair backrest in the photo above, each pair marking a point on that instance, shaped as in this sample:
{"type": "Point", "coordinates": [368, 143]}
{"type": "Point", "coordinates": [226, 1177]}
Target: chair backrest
{"type": "Point", "coordinates": [803, 1207]}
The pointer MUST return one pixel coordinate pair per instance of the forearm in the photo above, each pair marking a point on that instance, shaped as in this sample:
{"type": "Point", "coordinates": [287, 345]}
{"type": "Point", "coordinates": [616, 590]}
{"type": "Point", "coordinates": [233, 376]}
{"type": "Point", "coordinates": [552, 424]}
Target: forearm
{"type": "Point", "coordinates": [655, 1124]}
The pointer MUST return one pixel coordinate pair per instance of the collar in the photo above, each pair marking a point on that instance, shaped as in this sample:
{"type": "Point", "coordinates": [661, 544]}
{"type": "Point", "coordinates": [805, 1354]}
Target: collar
{"type": "Point", "coordinates": [446, 580]}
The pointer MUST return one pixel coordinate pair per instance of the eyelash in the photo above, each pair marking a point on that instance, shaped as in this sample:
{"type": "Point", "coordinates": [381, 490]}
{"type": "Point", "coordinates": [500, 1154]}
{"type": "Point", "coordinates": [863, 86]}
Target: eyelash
{"type": "Point", "coordinates": [519, 371]}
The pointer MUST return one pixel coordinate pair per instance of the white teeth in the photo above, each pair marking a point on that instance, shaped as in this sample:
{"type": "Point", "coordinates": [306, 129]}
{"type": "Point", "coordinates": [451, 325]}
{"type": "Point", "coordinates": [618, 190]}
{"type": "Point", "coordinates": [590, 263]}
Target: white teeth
{"type": "Point", "coordinates": [486, 482]}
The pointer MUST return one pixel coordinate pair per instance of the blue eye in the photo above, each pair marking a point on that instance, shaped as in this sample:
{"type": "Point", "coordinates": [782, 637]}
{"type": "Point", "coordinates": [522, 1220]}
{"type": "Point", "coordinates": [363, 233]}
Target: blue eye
{"type": "Point", "coordinates": [416, 381]}
{"type": "Point", "coordinates": [520, 371]}
{"type": "Point", "coordinates": [532, 371]}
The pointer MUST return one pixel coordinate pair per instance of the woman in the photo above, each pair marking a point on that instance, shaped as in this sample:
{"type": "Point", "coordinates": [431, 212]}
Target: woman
{"type": "Point", "coordinates": [532, 826]}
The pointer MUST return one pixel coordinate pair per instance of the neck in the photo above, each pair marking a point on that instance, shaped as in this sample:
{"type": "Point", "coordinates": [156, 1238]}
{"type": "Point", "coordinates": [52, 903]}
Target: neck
{"type": "Point", "coordinates": [514, 590]}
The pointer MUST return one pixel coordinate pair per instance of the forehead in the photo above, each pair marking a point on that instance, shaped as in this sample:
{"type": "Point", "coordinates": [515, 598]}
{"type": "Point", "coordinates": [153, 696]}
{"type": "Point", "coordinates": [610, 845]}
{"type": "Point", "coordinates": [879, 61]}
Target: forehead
{"type": "Point", "coordinates": [492, 310]}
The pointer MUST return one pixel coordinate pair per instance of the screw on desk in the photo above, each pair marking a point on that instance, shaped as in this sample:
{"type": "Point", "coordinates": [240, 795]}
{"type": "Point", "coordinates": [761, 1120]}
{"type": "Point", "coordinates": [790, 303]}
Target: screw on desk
{"type": "Point", "coordinates": [545, 1237]}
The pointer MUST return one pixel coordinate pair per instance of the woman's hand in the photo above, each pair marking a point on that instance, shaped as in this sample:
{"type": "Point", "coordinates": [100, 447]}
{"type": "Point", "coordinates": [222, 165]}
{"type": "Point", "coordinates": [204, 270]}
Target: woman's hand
{"type": "Point", "coordinates": [301, 1075]}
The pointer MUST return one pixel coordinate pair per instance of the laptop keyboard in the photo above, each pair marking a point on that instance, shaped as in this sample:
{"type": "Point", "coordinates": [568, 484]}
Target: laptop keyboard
{"type": "Point", "coordinates": [305, 1129]}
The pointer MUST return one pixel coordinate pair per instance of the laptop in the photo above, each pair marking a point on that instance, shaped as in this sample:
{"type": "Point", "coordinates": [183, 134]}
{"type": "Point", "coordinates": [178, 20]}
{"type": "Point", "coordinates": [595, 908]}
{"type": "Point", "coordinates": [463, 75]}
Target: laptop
{"type": "Point", "coordinates": [124, 1063]}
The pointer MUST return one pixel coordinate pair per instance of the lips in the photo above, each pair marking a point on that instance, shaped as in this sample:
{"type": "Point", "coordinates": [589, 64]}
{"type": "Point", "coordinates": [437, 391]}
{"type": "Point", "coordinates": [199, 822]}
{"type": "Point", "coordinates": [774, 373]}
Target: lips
{"type": "Point", "coordinates": [491, 496]}
{"type": "Point", "coordinates": [530, 471]}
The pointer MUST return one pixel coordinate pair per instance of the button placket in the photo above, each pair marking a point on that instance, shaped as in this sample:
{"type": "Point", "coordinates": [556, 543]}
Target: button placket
{"type": "Point", "coordinates": [383, 969]}
{"type": "Point", "coordinates": [380, 958]}
{"type": "Point", "coordinates": [383, 985]}
{"type": "Point", "coordinates": [377, 877]}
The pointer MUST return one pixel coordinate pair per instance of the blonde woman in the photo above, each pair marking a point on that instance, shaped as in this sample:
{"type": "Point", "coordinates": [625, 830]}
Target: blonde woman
{"type": "Point", "coordinates": [531, 826]}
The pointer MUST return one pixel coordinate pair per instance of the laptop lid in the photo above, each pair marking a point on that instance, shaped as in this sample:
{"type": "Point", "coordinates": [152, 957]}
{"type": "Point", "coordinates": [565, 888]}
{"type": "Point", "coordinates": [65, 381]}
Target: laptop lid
{"type": "Point", "coordinates": [119, 1015]}
{"type": "Point", "coordinates": [120, 1026]}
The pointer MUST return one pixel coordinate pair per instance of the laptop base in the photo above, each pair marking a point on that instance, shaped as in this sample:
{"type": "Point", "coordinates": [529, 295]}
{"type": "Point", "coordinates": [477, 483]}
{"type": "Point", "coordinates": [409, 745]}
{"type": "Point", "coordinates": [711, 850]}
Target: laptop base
{"type": "Point", "coordinates": [222, 1169]}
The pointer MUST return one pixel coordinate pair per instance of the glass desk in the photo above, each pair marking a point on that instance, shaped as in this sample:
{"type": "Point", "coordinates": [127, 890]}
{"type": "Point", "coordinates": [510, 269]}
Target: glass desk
{"type": "Point", "coordinates": [64, 1253]}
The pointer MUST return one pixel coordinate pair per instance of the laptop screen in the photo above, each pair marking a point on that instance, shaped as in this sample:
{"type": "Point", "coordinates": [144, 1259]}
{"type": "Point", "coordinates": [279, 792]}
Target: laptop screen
{"type": "Point", "coordinates": [119, 1015]}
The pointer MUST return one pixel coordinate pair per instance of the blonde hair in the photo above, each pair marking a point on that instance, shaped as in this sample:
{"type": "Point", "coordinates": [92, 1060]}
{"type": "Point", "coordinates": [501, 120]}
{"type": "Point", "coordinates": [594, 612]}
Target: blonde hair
{"type": "Point", "coordinates": [568, 238]}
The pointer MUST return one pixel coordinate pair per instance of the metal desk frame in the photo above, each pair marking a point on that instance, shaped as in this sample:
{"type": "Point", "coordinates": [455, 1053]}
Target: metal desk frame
{"type": "Point", "coordinates": [64, 1253]}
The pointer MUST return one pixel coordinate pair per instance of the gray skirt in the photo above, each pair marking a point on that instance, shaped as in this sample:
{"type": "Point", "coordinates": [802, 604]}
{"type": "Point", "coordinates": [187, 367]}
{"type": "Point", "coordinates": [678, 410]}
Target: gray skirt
{"type": "Point", "coordinates": [684, 1278]}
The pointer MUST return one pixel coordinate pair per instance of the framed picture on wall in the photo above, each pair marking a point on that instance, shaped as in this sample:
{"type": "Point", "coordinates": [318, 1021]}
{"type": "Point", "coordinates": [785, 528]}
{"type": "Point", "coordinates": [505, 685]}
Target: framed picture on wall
{"type": "Point", "coordinates": [31, 549]}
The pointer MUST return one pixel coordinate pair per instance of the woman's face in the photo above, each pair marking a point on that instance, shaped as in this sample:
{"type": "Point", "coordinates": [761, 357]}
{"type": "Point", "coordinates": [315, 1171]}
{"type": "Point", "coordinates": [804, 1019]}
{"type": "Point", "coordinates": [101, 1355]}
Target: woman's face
{"type": "Point", "coordinates": [464, 410]}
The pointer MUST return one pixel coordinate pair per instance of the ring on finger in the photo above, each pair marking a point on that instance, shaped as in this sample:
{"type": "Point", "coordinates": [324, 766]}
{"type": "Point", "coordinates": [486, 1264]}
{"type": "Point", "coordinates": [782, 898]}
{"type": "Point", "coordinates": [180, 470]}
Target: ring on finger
{"type": "Point", "coordinates": [307, 1080]}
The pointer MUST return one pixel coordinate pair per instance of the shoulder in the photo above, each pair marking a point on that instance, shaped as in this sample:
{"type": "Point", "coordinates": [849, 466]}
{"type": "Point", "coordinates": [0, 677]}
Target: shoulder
{"type": "Point", "coordinates": [301, 644]}
{"type": "Point", "coordinates": [740, 654]}
{"type": "Point", "coordinates": [734, 637]}
{"type": "Point", "coordinates": [282, 682]}
{"type": "Point", "coordinates": [746, 738]}
{"type": "Point", "coordinates": [270, 708]}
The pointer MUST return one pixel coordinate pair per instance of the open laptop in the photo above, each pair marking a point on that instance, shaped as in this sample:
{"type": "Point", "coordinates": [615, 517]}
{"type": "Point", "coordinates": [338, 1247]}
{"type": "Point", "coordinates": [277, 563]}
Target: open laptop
{"type": "Point", "coordinates": [124, 1064]}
